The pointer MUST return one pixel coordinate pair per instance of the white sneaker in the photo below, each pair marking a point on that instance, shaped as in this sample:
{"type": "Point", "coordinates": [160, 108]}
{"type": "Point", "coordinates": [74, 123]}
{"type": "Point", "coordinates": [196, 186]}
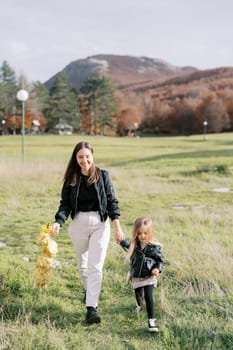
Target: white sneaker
{"type": "Point", "coordinates": [138, 309]}
{"type": "Point", "coordinates": [152, 326]}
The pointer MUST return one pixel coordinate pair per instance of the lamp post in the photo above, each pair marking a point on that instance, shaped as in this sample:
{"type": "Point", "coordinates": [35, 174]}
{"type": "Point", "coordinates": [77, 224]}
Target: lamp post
{"type": "Point", "coordinates": [135, 129]}
{"type": "Point", "coordinates": [102, 119]}
{"type": "Point", "coordinates": [3, 126]}
{"type": "Point", "coordinates": [205, 124]}
{"type": "Point", "coordinates": [22, 95]}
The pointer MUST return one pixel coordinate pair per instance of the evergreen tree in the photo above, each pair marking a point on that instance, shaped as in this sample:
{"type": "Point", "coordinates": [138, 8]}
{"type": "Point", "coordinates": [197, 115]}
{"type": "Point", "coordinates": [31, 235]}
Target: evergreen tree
{"type": "Point", "coordinates": [8, 89]}
{"type": "Point", "coordinates": [63, 107]}
{"type": "Point", "coordinates": [41, 98]}
{"type": "Point", "coordinates": [102, 103]}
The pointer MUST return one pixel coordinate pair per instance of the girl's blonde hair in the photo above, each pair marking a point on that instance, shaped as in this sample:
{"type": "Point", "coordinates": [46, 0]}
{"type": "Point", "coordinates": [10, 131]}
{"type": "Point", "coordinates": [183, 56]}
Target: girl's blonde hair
{"type": "Point", "coordinates": [146, 224]}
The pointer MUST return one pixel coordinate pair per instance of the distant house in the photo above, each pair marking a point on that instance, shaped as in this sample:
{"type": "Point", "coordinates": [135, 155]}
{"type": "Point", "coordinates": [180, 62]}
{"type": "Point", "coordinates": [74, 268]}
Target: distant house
{"type": "Point", "coordinates": [64, 129]}
{"type": "Point", "coordinates": [35, 128]}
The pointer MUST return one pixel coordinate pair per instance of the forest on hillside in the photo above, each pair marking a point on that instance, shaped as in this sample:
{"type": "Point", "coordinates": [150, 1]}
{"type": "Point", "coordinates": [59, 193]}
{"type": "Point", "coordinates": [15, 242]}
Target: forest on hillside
{"type": "Point", "coordinates": [181, 105]}
{"type": "Point", "coordinates": [176, 106]}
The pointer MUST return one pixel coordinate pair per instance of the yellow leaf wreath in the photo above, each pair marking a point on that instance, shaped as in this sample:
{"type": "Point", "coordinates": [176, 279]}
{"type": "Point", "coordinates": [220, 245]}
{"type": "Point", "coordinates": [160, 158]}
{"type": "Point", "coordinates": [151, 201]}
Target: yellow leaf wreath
{"type": "Point", "coordinates": [44, 262]}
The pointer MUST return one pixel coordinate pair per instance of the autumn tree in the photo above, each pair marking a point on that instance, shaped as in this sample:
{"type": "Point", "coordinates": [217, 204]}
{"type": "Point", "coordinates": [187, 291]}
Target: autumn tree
{"type": "Point", "coordinates": [216, 116]}
{"type": "Point", "coordinates": [128, 121]}
{"type": "Point", "coordinates": [228, 103]}
{"type": "Point", "coordinates": [159, 118]}
{"type": "Point", "coordinates": [182, 119]}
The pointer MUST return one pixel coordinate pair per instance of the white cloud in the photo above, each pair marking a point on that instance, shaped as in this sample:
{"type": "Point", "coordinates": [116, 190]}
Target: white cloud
{"type": "Point", "coordinates": [18, 48]}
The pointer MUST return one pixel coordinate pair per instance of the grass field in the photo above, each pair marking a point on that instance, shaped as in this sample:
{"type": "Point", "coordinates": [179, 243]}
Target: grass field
{"type": "Point", "coordinates": [184, 183]}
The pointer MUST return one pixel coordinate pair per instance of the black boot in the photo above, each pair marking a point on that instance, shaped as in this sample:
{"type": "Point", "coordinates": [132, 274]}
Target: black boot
{"type": "Point", "coordinates": [92, 315]}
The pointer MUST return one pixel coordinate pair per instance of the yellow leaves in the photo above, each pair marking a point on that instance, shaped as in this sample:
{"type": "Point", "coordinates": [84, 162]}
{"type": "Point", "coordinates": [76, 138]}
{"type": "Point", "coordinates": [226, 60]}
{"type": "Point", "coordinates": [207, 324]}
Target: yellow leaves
{"type": "Point", "coordinates": [44, 262]}
{"type": "Point", "coordinates": [51, 248]}
{"type": "Point", "coordinates": [43, 238]}
{"type": "Point", "coordinates": [46, 229]}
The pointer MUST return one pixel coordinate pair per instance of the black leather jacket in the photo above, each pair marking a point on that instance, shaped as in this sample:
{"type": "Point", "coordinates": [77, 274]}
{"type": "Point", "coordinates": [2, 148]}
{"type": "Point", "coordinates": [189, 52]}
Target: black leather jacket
{"type": "Point", "coordinates": [108, 203]}
{"type": "Point", "coordinates": [143, 261]}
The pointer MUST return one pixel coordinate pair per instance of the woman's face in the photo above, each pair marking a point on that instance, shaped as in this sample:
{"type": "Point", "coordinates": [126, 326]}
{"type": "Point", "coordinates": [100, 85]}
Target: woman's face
{"type": "Point", "coordinates": [85, 160]}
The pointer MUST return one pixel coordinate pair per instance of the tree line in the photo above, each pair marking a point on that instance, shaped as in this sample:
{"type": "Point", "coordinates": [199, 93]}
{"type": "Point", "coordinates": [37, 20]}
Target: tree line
{"type": "Point", "coordinates": [182, 105]}
{"type": "Point", "coordinates": [187, 113]}
{"type": "Point", "coordinates": [92, 110]}
{"type": "Point", "coordinates": [99, 108]}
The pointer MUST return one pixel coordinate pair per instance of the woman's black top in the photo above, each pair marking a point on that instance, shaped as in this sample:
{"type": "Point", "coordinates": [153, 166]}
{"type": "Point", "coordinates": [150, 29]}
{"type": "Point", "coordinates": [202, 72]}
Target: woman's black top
{"type": "Point", "coordinates": [87, 198]}
{"type": "Point", "coordinates": [106, 199]}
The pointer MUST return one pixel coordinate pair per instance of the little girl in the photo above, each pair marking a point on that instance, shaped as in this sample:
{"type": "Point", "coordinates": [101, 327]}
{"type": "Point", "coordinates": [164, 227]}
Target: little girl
{"type": "Point", "coordinates": [146, 262]}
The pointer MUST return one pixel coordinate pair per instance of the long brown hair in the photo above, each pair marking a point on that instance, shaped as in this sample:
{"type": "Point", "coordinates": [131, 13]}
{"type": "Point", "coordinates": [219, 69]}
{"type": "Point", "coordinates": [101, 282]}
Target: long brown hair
{"type": "Point", "coordinates": [140, 222]}
{"type": "Point", "coordinates": [73, 170]}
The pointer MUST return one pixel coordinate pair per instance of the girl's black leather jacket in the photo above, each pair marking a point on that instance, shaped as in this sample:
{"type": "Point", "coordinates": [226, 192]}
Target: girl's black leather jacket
{"type": "Point", "coordinates": [108, 203]}
{"type": "Point", "coordinates": [143, 261]}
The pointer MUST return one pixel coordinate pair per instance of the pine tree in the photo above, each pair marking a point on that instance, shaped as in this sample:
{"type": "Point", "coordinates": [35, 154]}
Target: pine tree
{"type": "Point", "coordinates": [102, 103]}
{"type": "Point", "coordinates": [63, 107]}
{"type": "Point", "coordinates": [8, 90]}
{"type": "Point", "coordinates": [41, 98]}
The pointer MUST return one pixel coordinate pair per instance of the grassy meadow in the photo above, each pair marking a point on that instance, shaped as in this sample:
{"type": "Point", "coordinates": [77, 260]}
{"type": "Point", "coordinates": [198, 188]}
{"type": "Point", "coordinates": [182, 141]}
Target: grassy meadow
{"type": "Point", "coordinates": [184, 183]}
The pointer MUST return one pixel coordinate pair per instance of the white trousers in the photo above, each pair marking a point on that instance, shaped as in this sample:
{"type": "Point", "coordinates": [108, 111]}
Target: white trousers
{"type": "Point", "coordinates": [90, 237]}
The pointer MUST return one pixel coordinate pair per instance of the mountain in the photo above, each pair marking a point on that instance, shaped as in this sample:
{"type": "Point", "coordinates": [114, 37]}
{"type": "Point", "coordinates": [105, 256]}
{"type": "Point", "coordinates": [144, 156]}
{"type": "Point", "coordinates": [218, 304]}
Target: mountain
{"type": "Point", "coordinates": [218, 81]}
{"type": "Point", "coordinates": [160, 97]}
{"type": "Point", "coordinates": [198, 77]}
{"type": "Point", "coordinates": [123, 70]}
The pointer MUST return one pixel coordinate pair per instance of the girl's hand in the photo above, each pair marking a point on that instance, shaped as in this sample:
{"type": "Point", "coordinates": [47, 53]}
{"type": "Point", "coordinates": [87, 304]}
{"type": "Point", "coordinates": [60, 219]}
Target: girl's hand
{"type": "Point", "coordinates": [155, 272]}
{"type": "Point", "coordinates": [55, 228]}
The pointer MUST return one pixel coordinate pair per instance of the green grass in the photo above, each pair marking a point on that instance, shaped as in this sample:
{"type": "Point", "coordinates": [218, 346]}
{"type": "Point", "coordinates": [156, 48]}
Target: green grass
{"type": "Point", "coordinates": [173, 180]}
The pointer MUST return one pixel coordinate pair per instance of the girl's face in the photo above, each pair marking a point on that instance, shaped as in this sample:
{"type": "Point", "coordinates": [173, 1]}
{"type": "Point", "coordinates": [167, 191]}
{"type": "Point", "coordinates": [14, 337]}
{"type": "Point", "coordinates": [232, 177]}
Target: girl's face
{"type": "Point", "coordinates": [85, 160]}
{"type": "Point", "coordinates": [143, 236]}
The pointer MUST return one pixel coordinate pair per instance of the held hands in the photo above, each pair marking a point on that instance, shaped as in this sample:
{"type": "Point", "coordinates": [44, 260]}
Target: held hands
{"type": "Point", "coordinates": [55, 228]}
{"type": "Point", "coordinates": [119, 236]}
{"type": "Point", "coordinates": [155, 272]}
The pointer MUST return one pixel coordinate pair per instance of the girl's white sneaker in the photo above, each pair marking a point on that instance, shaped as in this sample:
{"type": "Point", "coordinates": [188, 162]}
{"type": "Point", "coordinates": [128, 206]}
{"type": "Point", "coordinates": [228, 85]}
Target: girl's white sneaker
{"type": "Point", "coordinates": [152, 326]}
{"type": "Point", "coordinates": [138, 309]}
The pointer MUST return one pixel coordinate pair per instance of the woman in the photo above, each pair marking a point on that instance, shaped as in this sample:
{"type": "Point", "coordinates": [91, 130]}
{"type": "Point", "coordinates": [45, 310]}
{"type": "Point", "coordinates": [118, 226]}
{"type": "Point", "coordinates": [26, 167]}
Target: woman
{"type": "Point", "coordinates": [88, 197]}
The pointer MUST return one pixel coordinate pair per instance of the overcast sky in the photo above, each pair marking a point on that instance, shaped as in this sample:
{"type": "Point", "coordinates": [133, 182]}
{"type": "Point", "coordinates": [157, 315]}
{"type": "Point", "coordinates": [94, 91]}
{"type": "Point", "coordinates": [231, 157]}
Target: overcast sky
{"type": "Point", "coordinates": [39, 38]}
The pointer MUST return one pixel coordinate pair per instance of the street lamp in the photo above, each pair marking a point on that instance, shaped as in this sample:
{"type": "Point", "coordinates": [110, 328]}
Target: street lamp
{"type": "Point", "coordinates": [3, 126]}
{"type": "Point", "coordinates": [102, 119]}
{"type": "Point", "coordinates": [135, 129]}
{"type": "Point", "coordinates": [22, 95]}
{"type": "Point", "coordinates": [205, 124]}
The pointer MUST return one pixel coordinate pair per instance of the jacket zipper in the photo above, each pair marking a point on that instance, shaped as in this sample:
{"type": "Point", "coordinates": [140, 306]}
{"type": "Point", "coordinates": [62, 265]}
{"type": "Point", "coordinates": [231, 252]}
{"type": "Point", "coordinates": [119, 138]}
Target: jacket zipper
{"type": "Point", "coordinates": [140, 271]}
{"type": "Point", "coordinates": [76, 198]}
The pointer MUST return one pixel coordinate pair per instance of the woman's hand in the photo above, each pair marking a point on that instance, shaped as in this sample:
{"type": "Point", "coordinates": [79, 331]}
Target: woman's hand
{"type": "Point", "coordinates": [55, 228]}
{"type": "Point", "coordinates": [155, 272]}
{"type": "Point", "coordinates": [119, 235]}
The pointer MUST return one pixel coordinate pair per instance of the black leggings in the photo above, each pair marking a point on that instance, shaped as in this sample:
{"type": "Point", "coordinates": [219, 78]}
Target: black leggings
{"type": "Point", "coordinates": [147, 291]}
